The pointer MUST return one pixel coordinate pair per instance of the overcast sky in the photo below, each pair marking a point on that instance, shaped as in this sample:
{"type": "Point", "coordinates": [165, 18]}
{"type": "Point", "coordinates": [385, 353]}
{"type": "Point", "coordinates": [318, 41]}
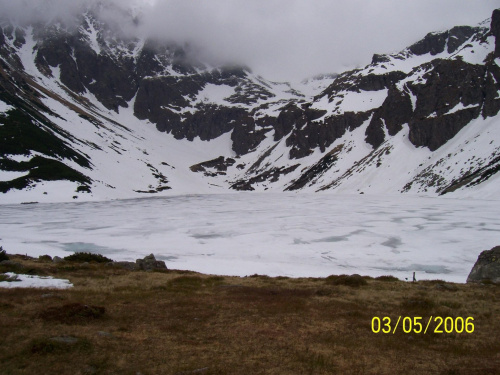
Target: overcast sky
{"type": "Point", "coordinates": [294, 39]}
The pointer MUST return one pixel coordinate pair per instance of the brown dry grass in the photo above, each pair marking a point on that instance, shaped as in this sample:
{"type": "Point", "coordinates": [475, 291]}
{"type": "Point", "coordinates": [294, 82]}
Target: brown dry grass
{"type": "Point", "coordinates": [177, 322]}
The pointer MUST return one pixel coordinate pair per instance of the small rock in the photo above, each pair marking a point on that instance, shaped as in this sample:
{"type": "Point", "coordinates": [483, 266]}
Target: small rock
{"type": "Point", "coordinates": [149, 263]}
{"type": "Point", "coordinates": [57, 259]}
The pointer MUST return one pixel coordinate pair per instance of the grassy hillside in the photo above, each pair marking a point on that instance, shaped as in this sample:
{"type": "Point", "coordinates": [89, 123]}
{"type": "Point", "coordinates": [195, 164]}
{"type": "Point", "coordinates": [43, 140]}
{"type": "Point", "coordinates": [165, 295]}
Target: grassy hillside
{"type": "Point", "coordinates": [116, 321]}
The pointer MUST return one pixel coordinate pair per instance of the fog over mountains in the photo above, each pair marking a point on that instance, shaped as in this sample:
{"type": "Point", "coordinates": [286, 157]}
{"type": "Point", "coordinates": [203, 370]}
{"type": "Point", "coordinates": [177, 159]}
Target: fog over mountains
{"type": "Point", "coordinates": [281, 40]}
{"type": "Point", "coordinates": [97, 103]}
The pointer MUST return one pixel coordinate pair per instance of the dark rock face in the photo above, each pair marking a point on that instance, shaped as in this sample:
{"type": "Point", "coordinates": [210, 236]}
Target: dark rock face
{"type": "Point", "coordinates": [218, 165]}
{"type": "Point", "coordinates": [271, 175]}
{"type": "Point", "coordinates": [19, 37]}
{"type": "Point", "coordinates": [290, 117]}
{"type": "Point", "coordinates": [211, 122]}
{"type": "Point", "coordinates": [435, 120]}
{"type": "Point", "coordinates": [491, 105]}
{"type": "Point", "coordinates": [495, 30]}
{"type": "Point", "coordinates": [487, 267]}
{"type": "Point", "coordinates": [245, 137]}
{"type": "Point", "coordinates": [377, 59]}
{"type": "Point", "coordinates": [474, 178]}
{"type": "Point", "coordinates": [160, 99]}
{"type": "Point", "coordinates": [374, 82]}
{"type": "Point", "coordinates": [394, 112]}
{"type": "Point", "coordinates": [112, 82]}
{"type": "Point", "coordinates": [459, 35]}
{"type": "Point", "coordinates": [323, 133]}
{"type": "Point", "coordinates": [156, 95]}
{"type": "Point", "coordinates": [435, 132]}
{"type": "Point", "coordinates": [448, 84]}
{"type": "Point", "coordinates": [57, 52]}
{"type": "Point", "coordinates": [433, 43]}
{"type": "Point", "coordinates": [26, 129]}
{"type": "Point", "coordinates": [316, 170]}
{"type": "Point", "coordinates": [2, 37]}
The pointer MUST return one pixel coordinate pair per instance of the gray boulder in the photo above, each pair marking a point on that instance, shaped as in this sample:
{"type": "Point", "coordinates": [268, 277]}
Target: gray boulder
{"type": "Point", "coordinates": [149, 263]}
{"type": "Point", "coordinates": [487, 267]}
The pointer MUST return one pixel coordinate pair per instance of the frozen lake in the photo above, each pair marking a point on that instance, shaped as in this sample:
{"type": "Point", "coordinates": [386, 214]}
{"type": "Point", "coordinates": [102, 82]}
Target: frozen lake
{"type": "Point", "coordinates": [273, 234]}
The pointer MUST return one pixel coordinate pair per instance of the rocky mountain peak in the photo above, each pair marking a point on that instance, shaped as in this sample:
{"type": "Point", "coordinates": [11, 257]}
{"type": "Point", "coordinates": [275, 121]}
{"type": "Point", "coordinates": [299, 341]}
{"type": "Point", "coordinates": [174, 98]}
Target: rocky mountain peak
{"type": "Point", "coordinates": [91, 91]}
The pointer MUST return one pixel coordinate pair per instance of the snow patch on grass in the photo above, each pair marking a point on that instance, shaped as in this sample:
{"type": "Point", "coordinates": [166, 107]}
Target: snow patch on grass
{"type": "Point", "coordinates": [29, 281]}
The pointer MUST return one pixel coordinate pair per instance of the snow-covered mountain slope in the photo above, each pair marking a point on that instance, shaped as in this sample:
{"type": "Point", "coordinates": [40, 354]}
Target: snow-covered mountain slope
{"type": "Point", "coordinates": [89, 113]}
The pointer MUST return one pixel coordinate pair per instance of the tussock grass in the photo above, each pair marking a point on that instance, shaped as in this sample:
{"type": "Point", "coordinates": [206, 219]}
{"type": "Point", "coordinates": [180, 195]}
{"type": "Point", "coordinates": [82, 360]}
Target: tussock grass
{"type": "Point", "coordinates": [45, 258]}
{"type": "Point", "coordinates": [418, 303]}
{"type": "Point", "coordinates": [87, 257]}
{"type": "Point", "coordinates": [3, 254]}
{"type": "Point", "coordinates": [387, 278]}
{"type": "Point", "coordinates": [348, 280]}
{"type": "Point", "coordinates": [56, 345]}
{"type": "Point", "coordinates": [179, 322]}
{"type": "Point", "coordinates": [72, 313]}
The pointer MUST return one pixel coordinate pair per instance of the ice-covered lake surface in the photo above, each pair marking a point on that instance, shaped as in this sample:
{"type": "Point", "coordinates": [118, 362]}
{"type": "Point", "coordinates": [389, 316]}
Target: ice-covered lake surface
{"type": "Point", "coordinates": [273, 234]}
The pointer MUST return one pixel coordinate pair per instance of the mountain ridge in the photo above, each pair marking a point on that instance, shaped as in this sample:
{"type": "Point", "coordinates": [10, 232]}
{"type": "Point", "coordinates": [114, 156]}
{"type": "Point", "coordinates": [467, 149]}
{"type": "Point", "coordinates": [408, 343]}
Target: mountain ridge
{"type": "Point", "coordinates": [87, 109]}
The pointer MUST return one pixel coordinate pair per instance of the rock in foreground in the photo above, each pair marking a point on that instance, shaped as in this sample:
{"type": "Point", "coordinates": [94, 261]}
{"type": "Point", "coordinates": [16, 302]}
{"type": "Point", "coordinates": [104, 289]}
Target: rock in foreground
{"type": "Point", "coordinates": [149, 263]}
{"type": "Point", "coordinates": [487, 267]}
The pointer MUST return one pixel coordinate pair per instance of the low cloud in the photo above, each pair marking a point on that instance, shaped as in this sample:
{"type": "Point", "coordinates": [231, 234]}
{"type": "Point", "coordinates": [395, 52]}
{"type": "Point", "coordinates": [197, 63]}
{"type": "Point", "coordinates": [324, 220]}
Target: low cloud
{"type": "Point", "coordinates": [280, 39]}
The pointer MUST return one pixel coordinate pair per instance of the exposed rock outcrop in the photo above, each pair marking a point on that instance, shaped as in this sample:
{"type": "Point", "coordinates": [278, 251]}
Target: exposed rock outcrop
{"type": "Point", "coordinates": [495, 30]}
{"type": "Point", "coordinates": [149, 263]}
{"type": "Point", "coordinates": [486, 268]}
{"type": "Point", "coordinates": [213, 167]}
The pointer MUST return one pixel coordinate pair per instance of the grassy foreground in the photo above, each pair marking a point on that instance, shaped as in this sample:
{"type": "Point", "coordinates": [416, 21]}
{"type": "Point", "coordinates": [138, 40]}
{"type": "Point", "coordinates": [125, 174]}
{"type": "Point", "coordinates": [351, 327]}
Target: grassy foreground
{"type": "Point", "coordinates": [116, 321]}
